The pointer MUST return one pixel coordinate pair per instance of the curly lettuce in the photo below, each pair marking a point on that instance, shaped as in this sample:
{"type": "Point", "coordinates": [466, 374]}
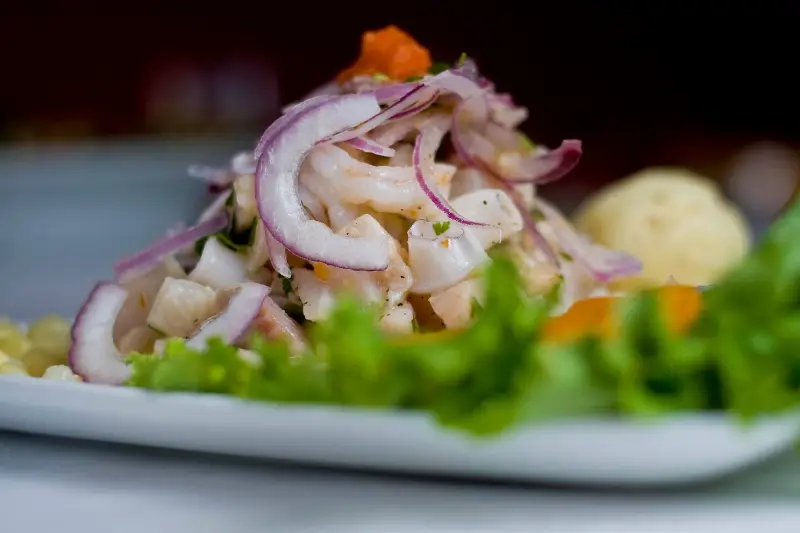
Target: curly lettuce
{"type": "Point", "coordinates": [742, 355]}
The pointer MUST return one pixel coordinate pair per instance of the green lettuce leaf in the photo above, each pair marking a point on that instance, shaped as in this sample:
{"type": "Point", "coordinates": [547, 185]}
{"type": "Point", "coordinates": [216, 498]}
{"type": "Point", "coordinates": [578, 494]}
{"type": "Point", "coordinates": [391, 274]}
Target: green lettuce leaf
{"type": "Point", "coordinates": [742, 355]}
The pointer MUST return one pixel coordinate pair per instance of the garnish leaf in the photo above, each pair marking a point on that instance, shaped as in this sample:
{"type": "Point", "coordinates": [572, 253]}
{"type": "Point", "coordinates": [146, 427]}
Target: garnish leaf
{"type": "Point", "coordinates": [441, 227]}
{"type": "Point", "coordinates": [742, 355]}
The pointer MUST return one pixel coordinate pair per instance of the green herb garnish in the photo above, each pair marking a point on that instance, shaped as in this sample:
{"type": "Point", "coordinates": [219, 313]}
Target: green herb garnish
{"type": "Point", "coordinates": [441, 227]}
{"type": "Point", "coordinates": [438, 68]}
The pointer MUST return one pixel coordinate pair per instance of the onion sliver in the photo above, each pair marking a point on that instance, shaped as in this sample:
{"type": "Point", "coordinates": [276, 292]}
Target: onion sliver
{"type": "Point", "coordinates": [277, 255]}
{"type": "Point", "coordinates": [604, 264]}
{"type": "Point", "coordinates": [371, 147]}
{"type": "Point", "coordinates": [234, 321]}
{"type": "Point", "coordinates": [279, 204]}
{"type": "Point", "coordinates": [93, 355]}
{"type": "Point", "coordinates": [425, 147]}
{"type": "Point", "coordinates": [152, 255]}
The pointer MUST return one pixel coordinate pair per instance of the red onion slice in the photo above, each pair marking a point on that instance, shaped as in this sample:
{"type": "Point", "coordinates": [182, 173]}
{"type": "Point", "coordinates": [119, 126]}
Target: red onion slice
{"type": "Point", "coordinates": [413, 102]}
{"type": "Point", "coordinates": [425, 147]}
{"type": "Point", "coordinates": [216, 207]}
{"type": "Point", "coordinates": [279, 205]}
{"type": "Point", "coordinates": [276, 127]}
{"type": "Point", "coordinates": [93, 355]}
{"type": "Point", "coordinates": [391, 93]}
{"type": "Point", "coordinates": [546, 166]}
{"type": "Point", "coordinates": [277, 255]}
{"type": "Point", "coordinates": [371, 147]}
{"type": "Point", "coordinates": [604, 264]}
{"type": "Point", "coordinates": [152, 255]}
{"type": "Point", "coordinates": [233, 322]}
{"type": "Point", "coordinates": [332, 88]}
{"type": "Point", "coordinates": [217, 177]}
{"type": "Point", "coordinates": [539, 167]}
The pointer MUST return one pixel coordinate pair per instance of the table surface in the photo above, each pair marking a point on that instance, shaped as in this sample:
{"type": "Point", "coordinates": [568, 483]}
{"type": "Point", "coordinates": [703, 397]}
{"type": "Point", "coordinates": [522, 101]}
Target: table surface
{"type": "Point", "coordinates": [49, 485]}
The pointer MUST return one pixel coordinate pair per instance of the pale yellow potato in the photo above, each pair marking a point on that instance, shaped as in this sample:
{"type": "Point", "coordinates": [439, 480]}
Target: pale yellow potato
{"type": "Point", "coordinates": [677, 222]}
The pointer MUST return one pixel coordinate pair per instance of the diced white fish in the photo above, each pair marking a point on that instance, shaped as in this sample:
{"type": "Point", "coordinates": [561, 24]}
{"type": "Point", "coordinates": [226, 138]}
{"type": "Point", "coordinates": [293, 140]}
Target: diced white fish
{"type": "Point", "coordinates": [537, 274]}
{"type": "Point", "coordinates": [316, 295]}
{"type": "Point", "coordinates": [383, 188]}
{"type": "Point", "coordinates": [258, 254]}
{"type": "Point", "coordinates": [399, 319]}
{"type": "Point", "coordinates": [455, 304]}
{"type": "Point", "coordinates": [468, 180]}
{"type": "Point", "coordinates": [403, 155]}
{"type": "Point", "coordinates": [489, 206]}
{"type": "Point", "coordinates": [244, 202]}
{"type": "Point", "coordinates": [181, 306]}
{"type": "Point", "coordinates": [219, 266]}
{"type": "Point", "coordinates": [440, 259]}
{"type": "Point", "coordinates": [274, 324]}
{"type": "Point", "coordinates": [317, 288]}
{"type": "Point", "coordinates": [142, 290]}
{"type": "Point", "coordinates": [139, 339]}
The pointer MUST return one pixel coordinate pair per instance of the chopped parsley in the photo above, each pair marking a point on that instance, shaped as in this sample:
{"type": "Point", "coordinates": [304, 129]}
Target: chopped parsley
{"type": "Point", "coordinates": [438, 67]}
{"type": "Point", "coordinates": [441, 227]}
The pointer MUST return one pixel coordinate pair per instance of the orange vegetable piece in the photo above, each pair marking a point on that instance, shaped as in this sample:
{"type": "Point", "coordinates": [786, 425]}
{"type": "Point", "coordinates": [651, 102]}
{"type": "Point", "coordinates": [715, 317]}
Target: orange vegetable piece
{"type": "Point", "coordinates": [680, 305]}
{"type": "Point", "coordinates": [391, 52]}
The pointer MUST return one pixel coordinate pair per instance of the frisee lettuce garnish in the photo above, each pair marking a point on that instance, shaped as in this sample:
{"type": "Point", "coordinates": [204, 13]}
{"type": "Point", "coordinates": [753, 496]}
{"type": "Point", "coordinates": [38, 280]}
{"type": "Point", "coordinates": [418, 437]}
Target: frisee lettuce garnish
{"type": "Point", "coordinates": [742, 356]}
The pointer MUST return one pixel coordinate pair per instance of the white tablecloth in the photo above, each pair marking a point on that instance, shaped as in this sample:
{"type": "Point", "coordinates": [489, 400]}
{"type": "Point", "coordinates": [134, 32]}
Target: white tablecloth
{"type": "Point", "coordinates": [58, 486]}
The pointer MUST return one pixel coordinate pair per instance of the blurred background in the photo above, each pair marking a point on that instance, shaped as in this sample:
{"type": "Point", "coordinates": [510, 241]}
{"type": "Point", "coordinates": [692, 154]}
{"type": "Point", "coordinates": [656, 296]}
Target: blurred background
{"type": "Point", "coordinates": [665, 83]}
{"type": "Point", "coordinates": [709, 85]}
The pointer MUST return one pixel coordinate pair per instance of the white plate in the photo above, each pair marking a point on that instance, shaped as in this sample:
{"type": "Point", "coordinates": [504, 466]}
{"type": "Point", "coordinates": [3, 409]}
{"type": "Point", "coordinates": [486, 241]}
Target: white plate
{"type": "Point", "coordinates": [678, 450]}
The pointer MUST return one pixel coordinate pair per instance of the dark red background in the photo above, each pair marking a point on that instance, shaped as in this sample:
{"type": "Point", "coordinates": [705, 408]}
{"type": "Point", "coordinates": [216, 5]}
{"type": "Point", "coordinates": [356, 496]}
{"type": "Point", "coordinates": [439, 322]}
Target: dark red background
{"type": "Point", "coordinates": [640, 83]}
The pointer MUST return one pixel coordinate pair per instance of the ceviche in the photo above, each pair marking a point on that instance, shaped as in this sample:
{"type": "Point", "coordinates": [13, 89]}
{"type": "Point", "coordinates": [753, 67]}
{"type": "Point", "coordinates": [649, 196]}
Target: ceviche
{"type": "Point", "coordinates": [384, 244]}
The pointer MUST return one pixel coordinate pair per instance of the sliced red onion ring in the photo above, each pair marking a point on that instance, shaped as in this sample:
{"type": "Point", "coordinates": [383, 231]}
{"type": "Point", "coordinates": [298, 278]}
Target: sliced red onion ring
{"type": "Point", "coordinates": [371, 147]}
{"type": "Point", "coordinates": [413, 101]}
{"type": "Point", "coordinates": [395, 131]}
{"type": "Point", "coordinates": [233, 322]}
{"type": "Point", "coordinates": [279, 205]}
{"type": "Point", "coordinates": [93, 355]}
{"type": "Point", "coordinates": [152, 255]}
{"type": "Point", "coordinates": [391, 93]}
{"type": "Point", "coordinates": [440, 261]}
{"type": "Point", "coordinates": [547, 166]}
{"type": "Point", "coordinates": [539, 167]}
{"type": "Point", "coordinates": [215, 207]}
{"type": "Point", "coordinates": [604, 264]}
{"type": "Point", "coordinates": [425, 147]}
{"type": "Point", "coordinates": [418, 108]}
{"type": "Point", "coordinates": [276, 127]}
{"type": "Point", "coordinates": [277, 255]}
{"type": "Point", "coordinates": [331, 88]}
{"type": "Point", "coordinates": [504, 113]}
{"type": "Point", "coordinates": [218, 177]}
